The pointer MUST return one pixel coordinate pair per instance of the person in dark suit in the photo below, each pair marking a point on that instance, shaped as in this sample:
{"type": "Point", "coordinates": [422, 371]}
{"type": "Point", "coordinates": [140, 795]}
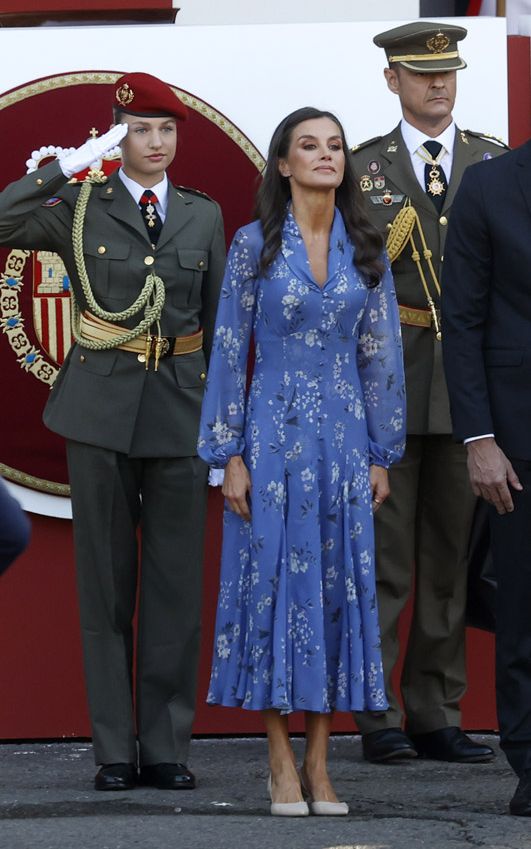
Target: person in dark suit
{"type": "Point", "coordinates": [487, 355]}
{"type": "Point", "coordinates": [410, 177]}
{"type": "Point", "coordinates": [145, 262]}
{"type": "Point", "coordinates": [14, 528]}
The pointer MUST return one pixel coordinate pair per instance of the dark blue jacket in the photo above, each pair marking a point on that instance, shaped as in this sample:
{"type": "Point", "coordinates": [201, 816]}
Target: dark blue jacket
{"type": "Point", "coordinates": [486, 303]}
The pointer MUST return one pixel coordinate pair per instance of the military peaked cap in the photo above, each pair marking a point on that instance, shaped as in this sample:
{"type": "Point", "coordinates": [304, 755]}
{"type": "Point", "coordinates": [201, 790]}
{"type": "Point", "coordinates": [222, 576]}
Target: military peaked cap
{"type": "Point", "coordinates": [423, 46]}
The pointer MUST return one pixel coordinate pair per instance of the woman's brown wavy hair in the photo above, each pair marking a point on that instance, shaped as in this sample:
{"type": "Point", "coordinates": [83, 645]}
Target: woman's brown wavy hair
{"type": "Point", "coordinates": [274, 194]}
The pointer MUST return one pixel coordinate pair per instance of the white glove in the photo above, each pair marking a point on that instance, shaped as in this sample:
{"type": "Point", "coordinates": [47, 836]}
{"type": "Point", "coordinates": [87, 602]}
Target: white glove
{"type": "Point", "coordinates": [92, 151]}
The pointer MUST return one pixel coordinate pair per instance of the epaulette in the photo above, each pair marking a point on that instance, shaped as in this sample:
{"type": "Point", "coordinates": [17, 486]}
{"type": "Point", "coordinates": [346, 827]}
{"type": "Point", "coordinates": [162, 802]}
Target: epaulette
{"type": "Point", "coordinates": [367, 143]}
{"type": "Point", "coordinates": [194, 192]}
{"type": "Point", "coordinates": [488, 137]}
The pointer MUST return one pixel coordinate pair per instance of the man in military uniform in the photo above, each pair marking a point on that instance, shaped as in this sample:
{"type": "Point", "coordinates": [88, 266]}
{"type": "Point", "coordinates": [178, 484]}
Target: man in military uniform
{"type": "Point", "coordinates": [409, 178]}
{"type": "Point", "coordinates": [145, 262]}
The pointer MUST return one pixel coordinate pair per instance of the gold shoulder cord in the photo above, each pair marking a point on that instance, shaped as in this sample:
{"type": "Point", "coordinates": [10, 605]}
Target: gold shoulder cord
{"type": "Point", "coordinates": [151, 298]}
{"type": "Point", "coordinates": [399, 235]}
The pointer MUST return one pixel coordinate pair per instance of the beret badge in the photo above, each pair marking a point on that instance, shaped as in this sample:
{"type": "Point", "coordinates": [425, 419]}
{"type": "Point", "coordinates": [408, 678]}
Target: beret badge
{"type": "Point", "coordinates": [438, 43]}
{"type": "Point", "coordinates": [125, 95]}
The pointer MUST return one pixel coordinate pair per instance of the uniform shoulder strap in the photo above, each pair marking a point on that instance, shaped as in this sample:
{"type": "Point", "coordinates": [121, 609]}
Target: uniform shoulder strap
{"type": "Point", "coordinates": [193, 192]}
{"type": "Point", "coordinates": [358, 147]}
{"type": "Point", "coordinates": [488, 137]}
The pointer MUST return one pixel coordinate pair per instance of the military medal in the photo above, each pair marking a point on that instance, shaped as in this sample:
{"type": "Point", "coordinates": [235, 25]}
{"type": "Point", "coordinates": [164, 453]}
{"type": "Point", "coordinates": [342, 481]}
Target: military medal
{"type": "Point", "coordinates": [150, 215]}
{"type": "Point", "coordinates": [366, 183]}
{"type": "Point", "coordinates": [435, 185]}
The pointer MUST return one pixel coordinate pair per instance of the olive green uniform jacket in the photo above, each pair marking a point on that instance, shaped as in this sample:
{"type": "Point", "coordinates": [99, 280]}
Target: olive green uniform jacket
{"type": "Point", "coordinates": [427, 398]}
{"type": "Point", "coordinates": [107, 398]}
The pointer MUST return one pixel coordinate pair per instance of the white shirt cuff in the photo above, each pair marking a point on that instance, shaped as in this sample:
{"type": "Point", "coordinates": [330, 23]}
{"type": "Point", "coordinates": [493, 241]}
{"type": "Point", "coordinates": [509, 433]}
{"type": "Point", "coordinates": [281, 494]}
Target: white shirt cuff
{"type": "Point", "coordinates": [216, 477]}
{"type": "Point", "coordinates": [475, 438]}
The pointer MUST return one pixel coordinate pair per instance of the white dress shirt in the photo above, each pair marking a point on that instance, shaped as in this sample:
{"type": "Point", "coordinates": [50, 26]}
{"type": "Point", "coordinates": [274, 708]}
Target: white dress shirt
{"type": "Point", "coordinates": [414, 139]}
{"type": "Point", "coordinates": [136, 190]}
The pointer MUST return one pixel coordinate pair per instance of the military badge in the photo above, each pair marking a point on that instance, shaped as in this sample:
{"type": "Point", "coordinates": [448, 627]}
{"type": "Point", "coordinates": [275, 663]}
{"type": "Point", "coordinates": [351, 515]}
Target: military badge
{"type": "Point", "coordinates": [387, 199]}
{"type": "Point", "coordinates": [374, 166]}
{"type": "Point", "coordinates": [487, 156]}
{"type": "Point", "coordinates": [379, 182]}
{"type": "Point", "coordinates": [392, 147]}
{"type": "Point", "coordinates": [438, 43]}
{"type": "Point", "coordinates": [366, 183]}
{"type": "Point", "coordinates": [125, 95]}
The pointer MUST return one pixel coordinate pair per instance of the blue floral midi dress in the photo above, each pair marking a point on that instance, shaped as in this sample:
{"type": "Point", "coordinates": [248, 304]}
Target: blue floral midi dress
{"type": "Point", "coordinates": [297, 620]}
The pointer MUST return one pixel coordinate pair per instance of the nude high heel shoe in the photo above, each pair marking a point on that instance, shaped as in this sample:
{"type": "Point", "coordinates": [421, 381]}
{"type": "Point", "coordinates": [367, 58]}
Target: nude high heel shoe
{"type": "Point", "coordinates": [322, 808]}
{"type": "Point", "coordinates": [286, 809]}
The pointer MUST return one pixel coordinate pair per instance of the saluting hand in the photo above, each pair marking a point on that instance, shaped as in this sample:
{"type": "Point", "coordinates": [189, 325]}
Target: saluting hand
{"type": "Point", "coordinates": [76, 160]}
{"type": "Point", "coordinates": [237, 486]}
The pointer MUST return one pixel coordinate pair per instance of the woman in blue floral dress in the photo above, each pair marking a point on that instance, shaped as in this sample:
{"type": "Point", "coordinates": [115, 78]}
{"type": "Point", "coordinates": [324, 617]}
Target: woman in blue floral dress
{"type": "Point", "coordinates": [305, 452]}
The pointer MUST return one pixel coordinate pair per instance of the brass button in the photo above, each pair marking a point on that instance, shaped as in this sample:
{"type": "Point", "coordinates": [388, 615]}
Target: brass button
{"type": "Point", "coordinates": [442, 258]}
{"type": "Point", "coordinates": [443, 220]}
{"type": "Point", "coordinates": [141, 358]}
{"type": "Point", "coordinates": [201, 263]}
{"type": "Point", "coordinates": [108, 191]}
{"type": "Point", "coordinates": [82, 358]}
{"type": "Point", "coordinates": [102, 249]}
{"type": "Point", "coordinates": [149, 260]}
{"type": "Point", "coordinates": [39, 181]}
{"type": "Point", "coordinates": [202, 375]}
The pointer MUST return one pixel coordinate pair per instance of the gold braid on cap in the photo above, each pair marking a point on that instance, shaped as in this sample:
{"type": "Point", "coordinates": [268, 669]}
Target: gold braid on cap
{"type": "Point", "coordinates": [424, 57]}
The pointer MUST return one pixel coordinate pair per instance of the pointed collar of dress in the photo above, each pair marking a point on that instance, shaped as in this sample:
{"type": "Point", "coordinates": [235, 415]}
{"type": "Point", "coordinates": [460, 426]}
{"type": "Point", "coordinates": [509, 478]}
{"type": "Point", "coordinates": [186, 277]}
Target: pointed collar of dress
{"type": "Point", "coordinates": [295, 254]}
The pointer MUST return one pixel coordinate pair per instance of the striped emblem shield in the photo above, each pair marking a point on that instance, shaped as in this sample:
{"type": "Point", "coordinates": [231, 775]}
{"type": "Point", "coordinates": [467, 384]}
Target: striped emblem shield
{"type": "Point", "coordinates": [51, 305]}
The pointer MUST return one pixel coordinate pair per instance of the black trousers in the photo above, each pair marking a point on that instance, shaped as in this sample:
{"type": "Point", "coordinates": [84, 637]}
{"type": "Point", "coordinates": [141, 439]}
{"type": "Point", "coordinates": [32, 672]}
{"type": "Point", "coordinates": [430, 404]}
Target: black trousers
{"type": "Point", "coordinates": [511, 549]}
{"type": "Point", "coordinates": [114, 495]}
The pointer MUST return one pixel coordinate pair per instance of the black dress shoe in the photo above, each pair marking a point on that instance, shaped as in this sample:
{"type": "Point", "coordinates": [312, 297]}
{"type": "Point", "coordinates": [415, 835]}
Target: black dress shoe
{"type": "Point", "coordinates": [115, 777]}
{"type": "Point", "coordinates": [520, 804]}
{"type": "Point", "coordinates": [451, 744]}
{"type": "Point", "coordinates": [391, 744]}
{"type": "Point", "coordinates": [167, 777]}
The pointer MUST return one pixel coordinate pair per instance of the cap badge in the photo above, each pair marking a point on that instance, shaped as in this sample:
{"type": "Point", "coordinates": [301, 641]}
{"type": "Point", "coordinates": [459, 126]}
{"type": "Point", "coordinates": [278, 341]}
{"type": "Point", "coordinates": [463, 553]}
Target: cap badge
{"type": "Point", "coordinates": [125, 95]}
{"type": "Point", "coordinates": [438, 43]}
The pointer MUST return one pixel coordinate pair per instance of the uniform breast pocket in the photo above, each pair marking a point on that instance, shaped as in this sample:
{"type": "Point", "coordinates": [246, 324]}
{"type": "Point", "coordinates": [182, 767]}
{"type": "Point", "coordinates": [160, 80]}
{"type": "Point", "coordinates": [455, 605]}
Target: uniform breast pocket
{"type": "Point", "coordinates": [108, 269]}
{"type": "Point", "coordinates": [192, 263]}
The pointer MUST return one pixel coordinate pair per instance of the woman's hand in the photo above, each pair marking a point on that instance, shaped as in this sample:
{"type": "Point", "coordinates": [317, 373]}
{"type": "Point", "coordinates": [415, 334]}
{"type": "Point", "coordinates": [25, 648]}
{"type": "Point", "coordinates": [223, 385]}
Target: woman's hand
{"type": "Point", "coordinates": [379, 486]}
{"type": "Point", "coordinates": [236, 487]}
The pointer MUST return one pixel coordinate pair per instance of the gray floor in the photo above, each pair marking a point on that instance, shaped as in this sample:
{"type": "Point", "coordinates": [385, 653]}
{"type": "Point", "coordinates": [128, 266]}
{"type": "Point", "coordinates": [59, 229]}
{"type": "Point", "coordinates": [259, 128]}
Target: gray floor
{"type": "Point", "coordinates": [47, 802]}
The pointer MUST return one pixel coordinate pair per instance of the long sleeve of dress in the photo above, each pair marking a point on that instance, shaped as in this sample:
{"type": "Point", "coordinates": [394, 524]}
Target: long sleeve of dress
{"type": "Point", "coordinates": [221, 433]}
{"type": "Point", "coordinates": [381, 371]}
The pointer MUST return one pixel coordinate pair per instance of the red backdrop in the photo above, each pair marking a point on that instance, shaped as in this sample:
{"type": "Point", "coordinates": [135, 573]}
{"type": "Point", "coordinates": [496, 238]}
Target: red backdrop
{"type": "Point", "coordinates": [41, 670]}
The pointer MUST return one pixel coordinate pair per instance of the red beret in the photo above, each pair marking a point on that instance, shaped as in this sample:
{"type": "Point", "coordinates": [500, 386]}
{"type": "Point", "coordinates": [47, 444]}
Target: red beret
{"type": "Point", "coordinates": [148, 97]}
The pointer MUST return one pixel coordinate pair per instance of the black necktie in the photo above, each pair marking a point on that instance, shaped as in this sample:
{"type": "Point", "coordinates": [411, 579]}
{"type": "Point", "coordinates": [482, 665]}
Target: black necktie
{"type": "Point", "coordinates": [150, 215]}
{"type": "Point", "coordinates": [435, 183]}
